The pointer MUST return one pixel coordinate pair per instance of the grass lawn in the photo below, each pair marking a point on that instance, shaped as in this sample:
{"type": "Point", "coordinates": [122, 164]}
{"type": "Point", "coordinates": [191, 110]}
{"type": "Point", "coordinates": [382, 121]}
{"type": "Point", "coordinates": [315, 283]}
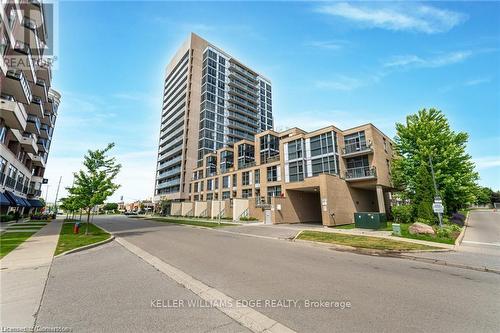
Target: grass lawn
{"type": "Point", "coordinates": [361, 241]}
{"type": "Point", "coordinates": [69, 241]}
{"type": "Point", "coordinates": [10, 240]}
{"type": "Point", "coordinates": [190, 222]}
{"type": "Point", "coordinates": [406, 234]}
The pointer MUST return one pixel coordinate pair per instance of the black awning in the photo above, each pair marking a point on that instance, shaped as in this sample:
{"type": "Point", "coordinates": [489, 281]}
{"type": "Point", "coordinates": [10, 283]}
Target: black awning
{"type": "Point", "coordinates": [19, 202]}
{"type": "Point", "coordinates": [35, 203]}
{"type": "Point", "coordinates": [5, 201]}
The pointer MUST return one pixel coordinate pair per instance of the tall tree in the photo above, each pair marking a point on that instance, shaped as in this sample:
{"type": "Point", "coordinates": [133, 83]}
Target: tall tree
{"type": "Point", "coordinates": [95, 183]}
{"type": "Point", "coordinates": [427, 134]}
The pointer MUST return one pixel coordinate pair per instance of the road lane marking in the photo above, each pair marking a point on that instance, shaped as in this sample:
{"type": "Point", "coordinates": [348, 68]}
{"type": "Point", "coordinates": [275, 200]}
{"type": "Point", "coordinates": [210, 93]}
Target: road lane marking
{"type": "Point", "coordinates": [244, 315]}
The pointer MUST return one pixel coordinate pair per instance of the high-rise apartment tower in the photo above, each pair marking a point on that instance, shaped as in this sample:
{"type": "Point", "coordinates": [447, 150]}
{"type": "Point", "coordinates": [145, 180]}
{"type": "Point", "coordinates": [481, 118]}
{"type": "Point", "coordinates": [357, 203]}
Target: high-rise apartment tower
{"type": "Point", "coordinates": [210, 101]}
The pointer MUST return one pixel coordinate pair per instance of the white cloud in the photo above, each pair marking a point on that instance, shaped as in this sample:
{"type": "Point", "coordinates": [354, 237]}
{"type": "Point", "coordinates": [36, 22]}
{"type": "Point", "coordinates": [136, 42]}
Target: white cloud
{"type": "Point", "coordinates": [475, 82]}
{"type": "Point", "coordinates": [396, 16]}
{"type": "Point", "coordinates": [487, 162]}
{"type": "Point", "coordinates": [440, 60]}
{"type": "Point", "coordinates": [328, 44]}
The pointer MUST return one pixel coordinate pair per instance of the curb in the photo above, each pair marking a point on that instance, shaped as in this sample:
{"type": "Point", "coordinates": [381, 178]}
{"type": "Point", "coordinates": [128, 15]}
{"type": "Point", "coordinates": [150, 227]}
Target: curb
{"type": "Point", "coordinates": [85, 247]}
{"type": "Point", "coordinates": [460, 237]}
{"type": "Point", "coordinates": [450, 264]}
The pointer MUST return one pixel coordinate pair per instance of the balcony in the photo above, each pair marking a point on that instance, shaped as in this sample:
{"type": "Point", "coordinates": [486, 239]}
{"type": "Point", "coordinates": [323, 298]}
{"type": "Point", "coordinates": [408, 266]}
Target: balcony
{"type": "Point", "coordinates": [21, 59]}
{"type": "Point", "coordinates": [33, 125]}
{"type": "Point", "coordinates": [270, 159]}
{"type": "Point", "coordinates": [360, 173]}
{"type": "Point", "coordinates": [27, 141]}
{"type": "Point", "coordinates": [263, 202]}
{"type": "Point", "coordinates": [38, 161]}
{"type": "Point", "coordinates": [248, 89]}
{"type": "Point", "coordinates": [13, 113]}
{"type": "Point", "coordinates": [43, 145]}
{"type": "Point", "coordinates": [40, 89]}
{"type": "Point", "coordinates": [44, 131]}
{"type": "Point", "coordinates": [246, 165]}
{"type": "Point", "coordinates": [242, 110]}
{"type": "Point", "coordinates": [36, 107]}
{"type": "Point", "coordinates": [43, 70]}
{"type": "Point", "coordinates": [356, 149]}
{"type": "Point", "coordinates": [29, 34]}
{"type": "Point", "coordinates": [169, 173]}
{"type": "Point", "coordinates": [35, 8]}
{"type": "Point", "coordinates": [34, 192]}
{"type": "Point", "coordinates": [173, 182]}
{"type": "Point", "coordinates": [17, 85]}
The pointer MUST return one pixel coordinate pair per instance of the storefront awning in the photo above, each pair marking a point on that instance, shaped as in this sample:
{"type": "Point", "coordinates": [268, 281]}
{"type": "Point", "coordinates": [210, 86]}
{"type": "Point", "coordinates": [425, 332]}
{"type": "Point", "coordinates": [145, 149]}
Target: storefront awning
{"type": "Point", "coordinates": [18, 201]}
{"type": "Point", "coordinates": [5, 201]}
{"type": "Point", "coordinates": [35, 203]}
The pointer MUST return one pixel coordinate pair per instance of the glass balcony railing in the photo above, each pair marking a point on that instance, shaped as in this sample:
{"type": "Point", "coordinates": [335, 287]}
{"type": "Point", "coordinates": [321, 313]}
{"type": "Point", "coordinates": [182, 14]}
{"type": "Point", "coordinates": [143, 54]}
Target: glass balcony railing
{"type": "Point", "coordinates": [19, 75]}
{"type": "Point", "coordinates": [361, 172]}
{"type": "Point", "coordinates": [356, 147]}
{"type": "Point", "coordinates": [35, 120]}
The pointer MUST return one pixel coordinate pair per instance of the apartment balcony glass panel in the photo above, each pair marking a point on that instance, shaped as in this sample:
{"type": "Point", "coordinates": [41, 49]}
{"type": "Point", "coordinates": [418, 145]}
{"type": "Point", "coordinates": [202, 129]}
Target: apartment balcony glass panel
{"type": "Point", "coordinates": [360, 173]}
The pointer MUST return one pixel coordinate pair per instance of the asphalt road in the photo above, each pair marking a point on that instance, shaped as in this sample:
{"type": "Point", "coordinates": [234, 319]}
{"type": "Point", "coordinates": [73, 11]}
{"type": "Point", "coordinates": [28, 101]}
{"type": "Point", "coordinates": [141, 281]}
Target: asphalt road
{"type": "Point", "coordinates": [109, 289]}
{"type": "Point", "coordinates": [386, 294]}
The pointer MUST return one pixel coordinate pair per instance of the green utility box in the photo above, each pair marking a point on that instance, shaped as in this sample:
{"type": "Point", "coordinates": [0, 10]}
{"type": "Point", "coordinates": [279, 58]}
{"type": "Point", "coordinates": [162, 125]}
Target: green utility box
{"type": "Point", "coordinates": [367, 220]}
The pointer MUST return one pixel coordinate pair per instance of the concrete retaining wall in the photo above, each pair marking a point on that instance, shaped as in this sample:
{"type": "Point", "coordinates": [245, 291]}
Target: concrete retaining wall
{"type": "Point", "coordinates": [200, 208]}
{"type": "Point", "coordinates": [175, 208]}
{"type": "Point", "coordinates": [187, 208]}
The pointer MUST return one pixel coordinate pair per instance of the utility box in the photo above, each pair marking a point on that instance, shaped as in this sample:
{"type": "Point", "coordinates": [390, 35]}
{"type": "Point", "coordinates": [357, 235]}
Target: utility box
{"type": "Point", "coordinates": [367, 220]}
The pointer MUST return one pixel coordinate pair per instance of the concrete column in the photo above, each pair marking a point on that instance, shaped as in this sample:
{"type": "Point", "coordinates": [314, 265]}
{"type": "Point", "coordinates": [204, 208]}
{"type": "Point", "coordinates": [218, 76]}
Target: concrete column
{"type": "Point", "coordinates": [380, 199]}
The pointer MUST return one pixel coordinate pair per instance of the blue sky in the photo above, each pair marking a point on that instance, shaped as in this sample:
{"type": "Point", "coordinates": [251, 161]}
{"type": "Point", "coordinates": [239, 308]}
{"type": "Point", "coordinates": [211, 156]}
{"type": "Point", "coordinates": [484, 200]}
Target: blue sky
{"type": "Point", "coordinates": [330, 63]}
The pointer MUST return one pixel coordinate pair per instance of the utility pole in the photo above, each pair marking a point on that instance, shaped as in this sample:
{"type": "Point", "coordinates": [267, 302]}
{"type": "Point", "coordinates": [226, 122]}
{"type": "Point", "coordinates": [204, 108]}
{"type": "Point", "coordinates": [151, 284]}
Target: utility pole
{"type": "Point", "coordinates": [57, 194]}
{"type": "Point", "coordinates": [437, 198]}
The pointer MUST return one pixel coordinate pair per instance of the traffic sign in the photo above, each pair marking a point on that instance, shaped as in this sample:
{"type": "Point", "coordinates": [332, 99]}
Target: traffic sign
{"type": "Point", "coordinates": [438, 207]}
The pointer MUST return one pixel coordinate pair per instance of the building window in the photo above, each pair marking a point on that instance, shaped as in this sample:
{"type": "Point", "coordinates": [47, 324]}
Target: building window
{"type": "Point", "coordinates": [322, 144]}
{"type": "Point", "coordinates": [209, 184]}
{"type": "Point", "coordinates": [295, 149]}
{"type": "Point", "coordinates": [235, 180]}
{"type": "Point", "coordinates": [245, 178]}
{"type": "Point", "coordinates": [274, 191]}
{"type": "Point", "coordinates": [325, 164]}
{"type": "Point", "coordinates": [296, 171]}
{"type": "Point", "coordinates": [225, 182]}
{"type": "Point", "coordinates": [246, 193]}
{"type": "Point", "coordinates": [272, 173]}
{"type": "Point", "coordinates": [210, 196]}
{"type": "Point", "coordinates": [355, 142]}
{"type": "Point", "coordinates": [357, 162]}
{"type": "Point", "coordinates": [226, 195]}
{"type": "Point", "coordinates": [257, 176]}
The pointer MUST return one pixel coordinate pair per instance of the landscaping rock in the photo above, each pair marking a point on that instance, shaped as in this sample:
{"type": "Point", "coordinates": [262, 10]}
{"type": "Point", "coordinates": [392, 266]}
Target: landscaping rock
{"type": "Point", "coordinates": [421, 228]}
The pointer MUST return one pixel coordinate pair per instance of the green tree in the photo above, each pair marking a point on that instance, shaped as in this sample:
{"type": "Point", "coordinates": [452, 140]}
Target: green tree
{"type": "Point", "coordinates": [110, 206]}
{"type": "Point", "coordinates": [95, 183]}
{"type": "Point", "coordinates": [427, 134]}
{"type": "Point", "coordinates": [484, 195]}
{"type": "Point", "coordinates": [424, 193]}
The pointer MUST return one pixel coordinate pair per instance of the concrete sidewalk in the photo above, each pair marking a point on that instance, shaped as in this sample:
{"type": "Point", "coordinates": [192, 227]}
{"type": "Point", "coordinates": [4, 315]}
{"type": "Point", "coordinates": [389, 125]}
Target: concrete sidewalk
{"type": "Point", "coordinates": [24, 272]}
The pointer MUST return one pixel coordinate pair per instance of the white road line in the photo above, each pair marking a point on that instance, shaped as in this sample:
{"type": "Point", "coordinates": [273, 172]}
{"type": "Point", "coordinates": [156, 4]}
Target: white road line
{"type": "Point", "coordinates": [482, 243]}
{"type": "Point", "coordinates": [246, 316]}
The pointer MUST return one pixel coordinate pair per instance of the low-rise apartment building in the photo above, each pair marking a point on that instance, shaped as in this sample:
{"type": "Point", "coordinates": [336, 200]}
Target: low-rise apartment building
{"type": "Point", "coordinates": [28, 104]}
{"type": "Point", "coordinates": [324, 176]}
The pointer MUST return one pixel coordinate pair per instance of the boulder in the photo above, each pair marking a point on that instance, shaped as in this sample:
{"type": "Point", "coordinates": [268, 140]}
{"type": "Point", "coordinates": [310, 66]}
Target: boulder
{"type": "Point", "coordinates": [421, 228]}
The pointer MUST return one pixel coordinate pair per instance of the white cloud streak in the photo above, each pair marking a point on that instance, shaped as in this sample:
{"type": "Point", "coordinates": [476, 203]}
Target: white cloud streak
{"type": "Point", "coordinates": [396, 16]}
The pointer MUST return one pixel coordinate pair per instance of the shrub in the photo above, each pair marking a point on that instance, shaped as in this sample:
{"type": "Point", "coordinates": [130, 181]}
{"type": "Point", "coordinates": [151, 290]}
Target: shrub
{"type": "Point", "coordinates": [424, 221]}
{"type": "Point", "coordinates": [457, 219]}
{"type": "Point", "coordinates": [402, 214]}
{"type": "Point", "coordinates": [448, 231]}
{"type": "Point", "coordinates": [248, 218]}
{"type": "Point", "coordinates": [6, 218]}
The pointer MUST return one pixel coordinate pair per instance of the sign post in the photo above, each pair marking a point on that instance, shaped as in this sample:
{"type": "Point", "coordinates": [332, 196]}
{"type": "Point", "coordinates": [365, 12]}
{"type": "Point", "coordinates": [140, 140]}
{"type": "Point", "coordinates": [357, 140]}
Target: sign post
{"type": "Point", "coordinates": [438, 208]}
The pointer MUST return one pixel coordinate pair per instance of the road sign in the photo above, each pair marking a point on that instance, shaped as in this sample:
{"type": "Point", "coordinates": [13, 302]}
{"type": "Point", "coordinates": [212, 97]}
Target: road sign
{"type": "Point", "coordinates": [438, 207]}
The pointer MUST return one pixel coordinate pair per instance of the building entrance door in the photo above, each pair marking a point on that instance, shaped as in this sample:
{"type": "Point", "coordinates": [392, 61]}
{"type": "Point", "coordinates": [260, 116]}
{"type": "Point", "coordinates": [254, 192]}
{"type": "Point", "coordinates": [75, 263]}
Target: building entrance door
{"type": "Point", "coordinates": [267, 217]}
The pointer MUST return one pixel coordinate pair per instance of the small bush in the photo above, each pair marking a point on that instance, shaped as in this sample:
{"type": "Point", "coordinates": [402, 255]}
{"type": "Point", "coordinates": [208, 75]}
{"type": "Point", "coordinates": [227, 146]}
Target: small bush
{"type": "Point", "coordinates": [402, 214]}
{"type": "Point", "coordinates": [7, 218]}
{"type": "Point", "coordinates": [424, 221]}
{"type": "Point", "coordinates": [248, 218]}
{"type": "Point", "coordinates": [448, 231]}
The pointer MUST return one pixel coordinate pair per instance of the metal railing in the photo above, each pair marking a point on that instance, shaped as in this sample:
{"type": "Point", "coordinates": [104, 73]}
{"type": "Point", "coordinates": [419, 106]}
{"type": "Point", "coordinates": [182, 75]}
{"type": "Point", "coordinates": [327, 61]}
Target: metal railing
{"type": "Point", "coordinates": [270, 159]}
{"type": "Point", "coordinates": [360, 172]}
{"type": "Point", "coordinates": [263, 202]}
{"type": "Point", "coordinates": [357, 147]}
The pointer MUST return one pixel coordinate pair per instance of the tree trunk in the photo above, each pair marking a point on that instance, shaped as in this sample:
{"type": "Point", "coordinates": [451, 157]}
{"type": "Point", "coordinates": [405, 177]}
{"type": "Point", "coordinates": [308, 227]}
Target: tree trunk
{"type": "Point", "coordinates": [88, 221]}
